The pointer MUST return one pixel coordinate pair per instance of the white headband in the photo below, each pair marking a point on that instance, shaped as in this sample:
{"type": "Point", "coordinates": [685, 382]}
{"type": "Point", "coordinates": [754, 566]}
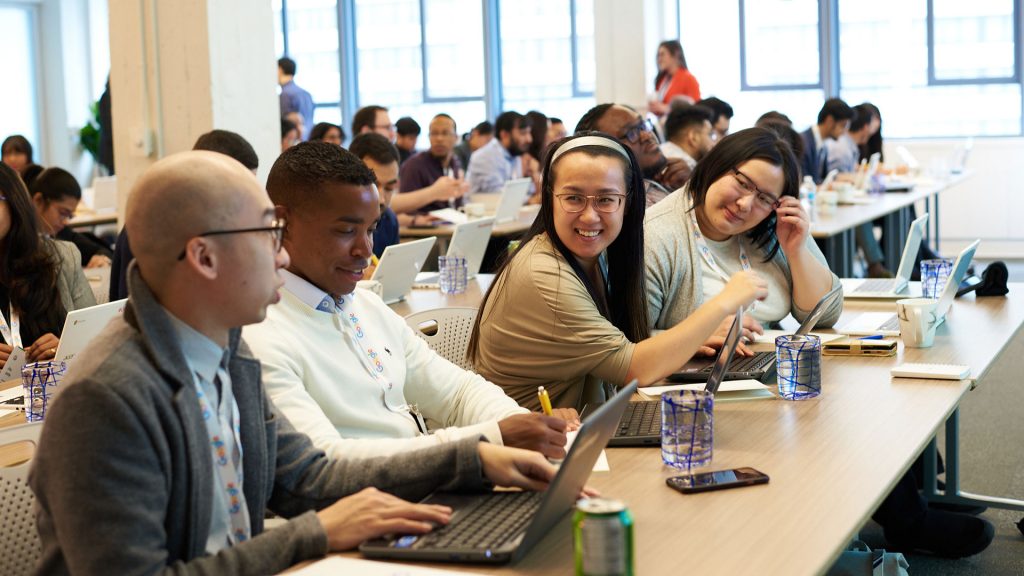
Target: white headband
{"type": "Point", "coordinates": [604, 142]}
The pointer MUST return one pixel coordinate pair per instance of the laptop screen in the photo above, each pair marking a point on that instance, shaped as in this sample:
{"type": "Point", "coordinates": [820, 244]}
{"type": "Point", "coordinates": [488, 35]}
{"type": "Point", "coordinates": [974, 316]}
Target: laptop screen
{"type": "Point", "coordinates": [910, 248]}
{"type": "Point", "coordinates": [721, 366]}
{"type": "Point", "coordinates": [819, 310]}
{"type": "Point", "coordinates": [956, 276]}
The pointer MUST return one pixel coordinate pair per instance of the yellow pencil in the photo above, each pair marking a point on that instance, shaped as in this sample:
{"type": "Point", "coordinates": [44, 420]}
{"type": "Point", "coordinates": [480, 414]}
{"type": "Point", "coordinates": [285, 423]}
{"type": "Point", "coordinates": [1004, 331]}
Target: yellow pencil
{"type": "Point", "coordinates": [545, 400]}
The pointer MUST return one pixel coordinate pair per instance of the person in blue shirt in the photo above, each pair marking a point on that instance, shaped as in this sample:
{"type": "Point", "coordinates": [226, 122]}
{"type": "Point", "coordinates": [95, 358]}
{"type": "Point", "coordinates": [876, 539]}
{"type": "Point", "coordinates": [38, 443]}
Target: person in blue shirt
{"type": "Point", "coordinates": [294, 98]}
{"type": "Point", "coordinates": [381, 156]}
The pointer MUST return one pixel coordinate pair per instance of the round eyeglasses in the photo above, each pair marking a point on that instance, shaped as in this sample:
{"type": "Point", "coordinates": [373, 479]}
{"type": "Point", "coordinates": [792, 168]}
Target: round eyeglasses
{"type": "Point", "coordinates": [606, 203]}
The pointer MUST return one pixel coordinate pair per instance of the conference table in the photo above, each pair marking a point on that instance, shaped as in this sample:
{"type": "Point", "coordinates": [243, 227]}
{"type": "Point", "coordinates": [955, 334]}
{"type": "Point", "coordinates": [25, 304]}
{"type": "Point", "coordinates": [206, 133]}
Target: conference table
{"type": "Point", "coordinates": [511, 230]}
{"type": "Point", "coordinates": [835, 231]}
{"type": "Point", "coordinates": [831, 459]}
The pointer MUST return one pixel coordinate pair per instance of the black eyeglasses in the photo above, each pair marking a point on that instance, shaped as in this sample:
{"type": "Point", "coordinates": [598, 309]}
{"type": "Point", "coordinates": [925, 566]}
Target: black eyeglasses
{"type": "Point", "coordinates": [633, 134]}
{"type": "Point", "coordinates": [276, 230]}
{"type": "Point", "coordinates": [765, 201]}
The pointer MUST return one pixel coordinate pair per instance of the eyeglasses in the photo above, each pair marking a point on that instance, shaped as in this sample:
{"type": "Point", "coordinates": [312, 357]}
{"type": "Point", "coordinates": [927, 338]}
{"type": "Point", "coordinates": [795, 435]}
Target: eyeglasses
{"type": "Point", "coordinates": [606, 203]}
{"type": "Point", "coordinates": [764, 200]}
{"type": "Point", "coordinates": [276, 230]}
{"type": "Point", "coordinates": [634, 133]}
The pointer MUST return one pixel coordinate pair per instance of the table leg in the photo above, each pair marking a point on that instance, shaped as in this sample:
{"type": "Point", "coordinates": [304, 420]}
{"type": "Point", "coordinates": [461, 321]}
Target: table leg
{"type": "Point", "coordinates": [895, 226]}
{"type": "Point", "coordinates": [839, 251]}
{"type": "Point", "coordinates": [953, 494]}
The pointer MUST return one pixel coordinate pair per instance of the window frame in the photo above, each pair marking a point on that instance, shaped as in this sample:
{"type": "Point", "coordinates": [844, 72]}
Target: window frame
{"type": "Point", "coordinates": [934, 80]}
{"type": "Point", "coordinates": [823, 51]}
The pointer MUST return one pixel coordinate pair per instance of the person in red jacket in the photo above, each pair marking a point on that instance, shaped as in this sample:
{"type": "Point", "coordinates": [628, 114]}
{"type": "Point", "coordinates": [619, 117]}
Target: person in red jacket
{"type": "Point", "coordinates": [674, 79]}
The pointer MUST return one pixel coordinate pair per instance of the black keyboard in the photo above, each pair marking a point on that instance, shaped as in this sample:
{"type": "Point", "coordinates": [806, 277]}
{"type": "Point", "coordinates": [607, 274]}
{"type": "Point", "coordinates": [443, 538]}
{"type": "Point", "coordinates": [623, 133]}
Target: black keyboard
{"type": "Point", "coordinates": [758, 361]}
{"type": "Point", "coordinates": [640, 419]}
{"type": "Point", "coordinates": [495, 520]}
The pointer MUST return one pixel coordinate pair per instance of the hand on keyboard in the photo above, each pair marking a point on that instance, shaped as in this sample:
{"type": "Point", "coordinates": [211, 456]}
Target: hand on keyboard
{"type": "Point", "coordinates": [371, 513]}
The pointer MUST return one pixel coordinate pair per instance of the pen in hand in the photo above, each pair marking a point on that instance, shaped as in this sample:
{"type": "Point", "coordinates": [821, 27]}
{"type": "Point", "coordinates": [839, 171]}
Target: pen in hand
{"type": "Point", "coordinates": [545, 400]}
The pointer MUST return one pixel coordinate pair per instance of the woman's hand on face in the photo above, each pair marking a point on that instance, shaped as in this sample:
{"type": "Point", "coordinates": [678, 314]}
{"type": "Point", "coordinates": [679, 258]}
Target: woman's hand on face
{"type": "Point", "coordinates": [792, 225]}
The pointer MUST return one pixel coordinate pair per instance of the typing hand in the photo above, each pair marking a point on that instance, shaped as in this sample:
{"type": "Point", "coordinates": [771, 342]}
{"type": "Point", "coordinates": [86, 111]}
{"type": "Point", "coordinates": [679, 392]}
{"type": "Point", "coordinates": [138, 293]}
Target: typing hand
{"type": "Point", "coordinates": [45, 348]}
{"type": "Point", "coordinates": [371, 513]}
{"type": "Point", "coordinates": [515, 467]}
{"type": "Point", "coordinates": [544, 434]}
{"type": "Point", "coordinates": [714, 343]}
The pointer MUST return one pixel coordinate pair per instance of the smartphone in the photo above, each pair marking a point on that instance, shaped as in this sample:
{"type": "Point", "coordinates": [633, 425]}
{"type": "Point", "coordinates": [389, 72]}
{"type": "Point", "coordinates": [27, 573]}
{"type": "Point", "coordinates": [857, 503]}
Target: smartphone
{"type": "Point", "coordinates": [717, 480]}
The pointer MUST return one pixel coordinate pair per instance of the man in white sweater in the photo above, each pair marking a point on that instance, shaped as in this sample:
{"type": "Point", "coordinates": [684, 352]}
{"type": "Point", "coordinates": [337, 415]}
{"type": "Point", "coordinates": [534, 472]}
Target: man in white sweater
{"type": "Point", "coordinates": [340, 364]}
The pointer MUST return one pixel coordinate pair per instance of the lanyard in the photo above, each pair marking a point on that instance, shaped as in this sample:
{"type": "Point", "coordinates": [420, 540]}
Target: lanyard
{"type": "Point", "coordinates": [709, 258]}
{"type": "Point", "coordinates": [228, 466]}
{"type": "Point", "coordinates": [394, 399]}
{"type": "Point", "coordinates": [11, 332]}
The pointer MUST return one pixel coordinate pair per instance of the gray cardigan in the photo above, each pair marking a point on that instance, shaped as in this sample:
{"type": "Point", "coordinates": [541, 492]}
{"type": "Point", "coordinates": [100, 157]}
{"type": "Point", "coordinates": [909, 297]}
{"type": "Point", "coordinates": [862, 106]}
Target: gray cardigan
{"type": "Point", "coordinates": [674, 278]}
{"type": "Point", "coordinates": [123, 476]}
{"type": "Point", "coordinates": [72, 284]}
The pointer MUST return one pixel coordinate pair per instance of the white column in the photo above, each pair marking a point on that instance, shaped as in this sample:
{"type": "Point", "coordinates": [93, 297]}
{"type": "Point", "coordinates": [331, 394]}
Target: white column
{"type": "Point", "coordinates": [626, 38]}
{"type": "Point", "coordinates": [182, 68]}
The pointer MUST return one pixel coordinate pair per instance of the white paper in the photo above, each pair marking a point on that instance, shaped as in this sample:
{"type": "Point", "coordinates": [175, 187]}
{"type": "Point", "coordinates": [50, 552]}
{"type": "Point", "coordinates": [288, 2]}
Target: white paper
{"type": "Point", "coordinates": [336, 565]}
{"type": "Point", "coordinates": [769, 336]}
{"type": "Point", "coordinates": [15, 362]}
{"type": "Point", "coordinates": [601, 465]}
{"type": "Point", "coordinates": [450, 215]}
{"type": "Point", "coordinates": [723, 388]}
{"type": "Point", "coordinates": [5, 412]}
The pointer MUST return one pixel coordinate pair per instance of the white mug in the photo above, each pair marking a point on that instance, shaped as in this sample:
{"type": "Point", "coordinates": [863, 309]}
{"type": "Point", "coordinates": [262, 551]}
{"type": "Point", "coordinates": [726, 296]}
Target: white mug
{"type": "Point", "coordinates": [845, 192]}
{"type": "Point", "coordinates": [917, 321]}
{"type": "Point", "coordinates": [475, 210]}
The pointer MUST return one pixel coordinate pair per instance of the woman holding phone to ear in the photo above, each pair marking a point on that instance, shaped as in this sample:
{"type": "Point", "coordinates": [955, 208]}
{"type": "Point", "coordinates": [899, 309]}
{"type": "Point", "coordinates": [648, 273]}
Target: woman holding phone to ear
{"type": "Point", "coordinates": [568, 310]}
{"type": "Point", "coordinates": [41, 280]}
{"type": "Point", "coordinates": [740, 210]}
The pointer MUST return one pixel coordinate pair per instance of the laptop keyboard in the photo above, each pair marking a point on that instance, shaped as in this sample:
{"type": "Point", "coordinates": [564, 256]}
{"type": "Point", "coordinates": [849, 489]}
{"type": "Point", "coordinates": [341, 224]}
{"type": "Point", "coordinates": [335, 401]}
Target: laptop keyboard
{"type": "Point", "coordinates": [499, 518]}
{"type": "Point", "coordinates": [893, 323]}
{"type": "Point", "coordinates": [640, 419]}
{"type": "Point", "coordinates": [759, 361]}
{"type": "Point", "coordinates": [877, 285]}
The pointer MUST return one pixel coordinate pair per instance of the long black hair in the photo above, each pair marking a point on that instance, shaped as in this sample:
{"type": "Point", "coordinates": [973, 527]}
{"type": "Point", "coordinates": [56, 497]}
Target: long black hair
{"type": "Point", "coordinates": [735, 149]}
{"type": "Point", "coordinates": [626, 305]}
{"type": "Point", "coordinates": [27, 270]}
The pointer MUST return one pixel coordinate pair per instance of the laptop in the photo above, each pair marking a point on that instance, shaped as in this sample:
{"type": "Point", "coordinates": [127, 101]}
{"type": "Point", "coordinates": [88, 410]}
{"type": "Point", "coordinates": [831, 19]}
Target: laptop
{"type": "Point", "coordinates": [809, 322]}
{"type": "Point", "coordinates": [888, 323]}
{"type": "Point", "coordinates": [398, 267]}
{"type": "Point", "coordinates": [81, 326]}
{"type": "Point", "coordinates": [863, 181]}
{"type": "Point", "coordinates": [503, 526]}
{"type": "Point", "coordinates": [891, 288]}
{"type": "Point", "coordinates": [640, 424]}
{"type": "Point", "coordinates": [512, 199]}
{"type": "Point", "coordinates": [470, 242]}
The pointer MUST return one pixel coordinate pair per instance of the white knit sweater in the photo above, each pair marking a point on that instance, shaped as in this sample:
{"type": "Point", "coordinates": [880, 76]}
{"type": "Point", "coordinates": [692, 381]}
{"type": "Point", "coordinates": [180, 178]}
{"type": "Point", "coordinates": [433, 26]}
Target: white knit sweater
{"type": "Point", "coordinates": [314, 373]}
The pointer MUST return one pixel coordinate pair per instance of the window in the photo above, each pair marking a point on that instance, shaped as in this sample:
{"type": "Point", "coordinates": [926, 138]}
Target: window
{"type": "Point", "coordinates": [308, 34]}
{"type": "Point", "coordinates": [547, 57]}
{"type": "Point", "coordinates": [17, 44]}
{"type": "Point", "coordinates": [972, 41]}
{"type": "Point", "coordinates": [780, 44]}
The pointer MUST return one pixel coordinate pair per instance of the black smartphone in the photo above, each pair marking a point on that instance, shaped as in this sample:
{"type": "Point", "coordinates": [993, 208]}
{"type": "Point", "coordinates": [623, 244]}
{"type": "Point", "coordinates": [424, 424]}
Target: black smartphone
{"type": "Point", "coordinates": [717, 480]}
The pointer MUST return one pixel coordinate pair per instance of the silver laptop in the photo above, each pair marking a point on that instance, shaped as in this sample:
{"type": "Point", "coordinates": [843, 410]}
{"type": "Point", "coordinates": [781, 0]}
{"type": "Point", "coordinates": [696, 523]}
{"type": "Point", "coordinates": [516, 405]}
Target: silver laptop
{"type": "Point", "coordinates": [470, 242]}
{"type": "Point", "coordinates": [888, 324]}
{"type": "Point", "coordinates": [81, 326]}
{"type": "Point", "coordinates": [891, 288]}
{"type": "Point", "coordinates": [504, 526]}
{"type": "Point", "coordinates": [512, 199]}
{"type": "Point", "coordinates": [398, 267]}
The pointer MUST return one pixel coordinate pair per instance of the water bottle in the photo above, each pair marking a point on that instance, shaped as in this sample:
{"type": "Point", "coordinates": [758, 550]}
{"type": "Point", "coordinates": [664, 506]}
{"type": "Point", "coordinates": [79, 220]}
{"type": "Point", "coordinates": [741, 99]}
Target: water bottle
{"type": "Point", "coordinates": [808, 196]}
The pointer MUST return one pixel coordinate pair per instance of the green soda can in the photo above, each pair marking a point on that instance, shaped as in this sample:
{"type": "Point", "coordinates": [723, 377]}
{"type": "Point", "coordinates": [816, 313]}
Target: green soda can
{"type": "Point", "coordinates": [603, 538]}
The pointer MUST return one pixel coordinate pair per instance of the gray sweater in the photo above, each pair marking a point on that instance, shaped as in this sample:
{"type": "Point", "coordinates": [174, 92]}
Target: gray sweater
{"type": "Point", "coordinates": [123, 476]}
{"type": "Point", "coordinates": [674, 277]}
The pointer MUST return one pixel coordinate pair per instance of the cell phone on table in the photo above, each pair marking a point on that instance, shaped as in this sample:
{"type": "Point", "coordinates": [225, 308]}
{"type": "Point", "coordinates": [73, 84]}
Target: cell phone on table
{"type": "Point", "coordinates": [716, 480]}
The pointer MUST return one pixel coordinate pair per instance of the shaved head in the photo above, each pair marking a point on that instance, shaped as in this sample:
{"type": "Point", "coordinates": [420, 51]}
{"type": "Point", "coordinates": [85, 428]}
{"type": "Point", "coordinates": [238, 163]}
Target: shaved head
{"type": "Point", "coordinates": [181, 197]}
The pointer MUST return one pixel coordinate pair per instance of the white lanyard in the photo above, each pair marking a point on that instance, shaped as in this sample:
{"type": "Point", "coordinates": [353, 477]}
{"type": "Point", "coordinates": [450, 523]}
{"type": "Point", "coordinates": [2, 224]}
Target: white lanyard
{"type": "Point", "coordinates": [11, 332]}
{"type": "Point", "coordinates": [394, 399]}
{"type": "Point", "coordinates": [228, 465]}
{"type": "Point", "coordinates": [709, 258]}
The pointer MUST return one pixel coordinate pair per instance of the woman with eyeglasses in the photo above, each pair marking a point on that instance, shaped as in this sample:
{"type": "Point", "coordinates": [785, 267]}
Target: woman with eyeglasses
{"type": "Point", "coordinates": [567, 311]}
{"type": "Point", "coordinates": [740, 211]}
{"type": "Point", "coordinates": [41, 280]}
{"type": "Point", "coordinates": [56, 195]}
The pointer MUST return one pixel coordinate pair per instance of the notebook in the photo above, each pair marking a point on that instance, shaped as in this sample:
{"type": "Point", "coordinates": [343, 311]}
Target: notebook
{"type": "Point", "coordinates": [888, 323]}
{"type": "Point", "coordinates": [470, 242]}
{"type": "Point", "coordinates": [641, 422]}
{"type": "Point", "coordinates": [891, 288]}
{"type": "Point", "coordinates": [398, 267]}
{"type": "Point", "coordinates": [503, 526]}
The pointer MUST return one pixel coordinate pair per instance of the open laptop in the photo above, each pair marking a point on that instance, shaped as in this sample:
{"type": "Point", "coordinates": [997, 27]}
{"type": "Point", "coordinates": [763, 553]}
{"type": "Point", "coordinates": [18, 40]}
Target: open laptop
{"type": "Point", "coordinates": [891, 288]}
{"type": "Point", "coordinates": [81, 326]}
{"type": "Point", "coordinates": [470, 242]}
{"type": "Point", "coordinates": [503, 526]}
{"type": "Point", "coordinates": [640, 424]}
{"type": "Point", "coordinates": [888, 324]}
{"type": "Point", "coordinates": [398, 267]}
{"type": "Point", "coordinates": [863, 180]}
{"type": "Point", "coordinates": [512, 199]}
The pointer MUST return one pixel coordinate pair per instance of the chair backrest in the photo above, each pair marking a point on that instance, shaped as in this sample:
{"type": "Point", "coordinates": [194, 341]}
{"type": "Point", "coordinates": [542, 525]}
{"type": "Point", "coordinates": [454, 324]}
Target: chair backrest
{"type": "Point", "coordinates": [446, 331]}
{"type": "Point", "coordinates": [19, 539]}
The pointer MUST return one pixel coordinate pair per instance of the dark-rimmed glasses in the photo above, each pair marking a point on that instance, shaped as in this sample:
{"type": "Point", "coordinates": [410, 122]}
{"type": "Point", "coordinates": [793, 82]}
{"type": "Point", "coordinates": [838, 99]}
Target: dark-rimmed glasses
{"type": "Point", "coordinates": [764, 200]}
{"type": "Point", "coordinates": [633, 134]}
{"type": "Point", "coordinates": [276, 230]}
{"type": "Point", "coordinates": [605, 203]}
